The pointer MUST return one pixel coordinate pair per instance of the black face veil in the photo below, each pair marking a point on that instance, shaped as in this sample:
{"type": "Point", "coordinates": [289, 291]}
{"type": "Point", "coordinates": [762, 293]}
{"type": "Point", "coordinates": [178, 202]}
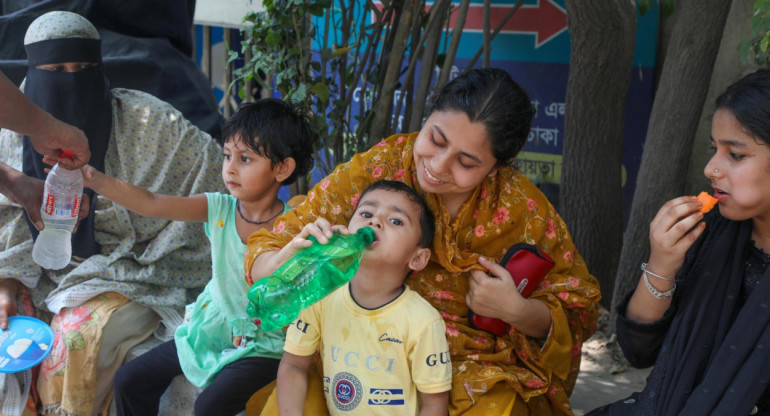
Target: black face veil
{"type": "Point", "coordinates": [81, 99]}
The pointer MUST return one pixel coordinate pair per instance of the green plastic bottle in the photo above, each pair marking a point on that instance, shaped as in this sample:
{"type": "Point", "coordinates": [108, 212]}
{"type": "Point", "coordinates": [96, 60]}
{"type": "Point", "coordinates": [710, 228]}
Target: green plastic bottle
{"type": "Point", "coordinates": [306, 278]}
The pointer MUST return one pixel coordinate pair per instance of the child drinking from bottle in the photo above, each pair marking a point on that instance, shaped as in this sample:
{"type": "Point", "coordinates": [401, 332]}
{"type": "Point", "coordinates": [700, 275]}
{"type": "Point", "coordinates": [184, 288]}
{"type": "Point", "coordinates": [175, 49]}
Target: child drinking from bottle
{"type": "Point", "coordinates": [383, 346]}
{"type": "Point", "coordinates": [218, 347]}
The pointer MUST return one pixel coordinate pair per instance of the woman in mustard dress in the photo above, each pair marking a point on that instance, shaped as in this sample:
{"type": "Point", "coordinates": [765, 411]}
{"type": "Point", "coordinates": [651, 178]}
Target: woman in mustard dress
{"type": "Point", "coordinates": [460, 161]}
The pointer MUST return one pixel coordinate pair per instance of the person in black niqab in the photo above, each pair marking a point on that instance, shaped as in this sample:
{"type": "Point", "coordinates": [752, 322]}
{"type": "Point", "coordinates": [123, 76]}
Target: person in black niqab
{"type": "Point", "coordinates": [66, 78]}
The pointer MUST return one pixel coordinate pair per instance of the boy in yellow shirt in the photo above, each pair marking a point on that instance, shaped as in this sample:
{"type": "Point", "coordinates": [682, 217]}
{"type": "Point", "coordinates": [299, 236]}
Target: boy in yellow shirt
{"type": "Point", "coordinates": [383, 346]}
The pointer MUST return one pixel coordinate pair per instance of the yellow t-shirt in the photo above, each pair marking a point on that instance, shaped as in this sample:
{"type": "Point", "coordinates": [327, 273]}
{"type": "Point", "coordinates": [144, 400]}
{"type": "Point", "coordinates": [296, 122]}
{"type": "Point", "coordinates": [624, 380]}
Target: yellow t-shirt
{"type": "Point", "coordinates": [374, 360]}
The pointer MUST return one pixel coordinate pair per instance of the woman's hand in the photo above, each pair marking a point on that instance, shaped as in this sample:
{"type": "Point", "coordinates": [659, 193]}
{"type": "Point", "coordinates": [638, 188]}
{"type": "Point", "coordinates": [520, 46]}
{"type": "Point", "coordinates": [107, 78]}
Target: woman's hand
{"type": "Point", "coordinates": [672, 232]}
{"type": "Point", "coordinates": [28, 192]}
{"type": "Point", "coordinates": [8, 308]}
{"type": "Point", "coordinates": [498, 297]}
{"type": "Point", "coordinates": [85, 203]}
{"type": "Point", "coordinates": [493, 296]}
{"type": "Point", "coordinates": [58, 136]}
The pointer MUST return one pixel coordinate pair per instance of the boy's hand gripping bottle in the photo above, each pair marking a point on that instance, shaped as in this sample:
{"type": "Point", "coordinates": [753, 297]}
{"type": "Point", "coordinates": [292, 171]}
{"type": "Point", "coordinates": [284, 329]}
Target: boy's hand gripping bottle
{"type": "Point", "coordinates": [306, 278]}
{"type": "Point", "coordinates": [61, 203]}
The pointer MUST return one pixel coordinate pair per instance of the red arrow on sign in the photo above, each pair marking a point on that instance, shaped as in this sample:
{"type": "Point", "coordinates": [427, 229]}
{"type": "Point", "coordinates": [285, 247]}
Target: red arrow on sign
{"type": "Point", "coordinates": [545, 19]}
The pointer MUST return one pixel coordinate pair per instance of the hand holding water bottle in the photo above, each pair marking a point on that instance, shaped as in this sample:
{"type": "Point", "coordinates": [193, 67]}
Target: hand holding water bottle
{"type": "Point", "coordinates": [319, 265]}
{"type": "Point", "coordinates": [60, 211]}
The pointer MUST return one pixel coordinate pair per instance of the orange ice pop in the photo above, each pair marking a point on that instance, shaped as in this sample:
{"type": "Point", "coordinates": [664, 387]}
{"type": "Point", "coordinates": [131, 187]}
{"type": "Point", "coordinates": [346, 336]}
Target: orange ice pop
{"type": "Point", "coordinates": [708, 202]}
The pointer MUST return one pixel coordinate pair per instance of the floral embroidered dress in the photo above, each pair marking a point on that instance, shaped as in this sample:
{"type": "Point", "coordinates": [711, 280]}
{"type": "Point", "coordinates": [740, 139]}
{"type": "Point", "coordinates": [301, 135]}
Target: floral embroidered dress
{"type": "Point", "coordinates": [504, 210]}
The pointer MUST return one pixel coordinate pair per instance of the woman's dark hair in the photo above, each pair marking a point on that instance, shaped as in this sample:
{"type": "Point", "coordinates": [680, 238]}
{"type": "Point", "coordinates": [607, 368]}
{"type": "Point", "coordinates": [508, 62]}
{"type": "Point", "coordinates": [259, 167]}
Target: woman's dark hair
{"type": "Point", "coordinates": [276, 130]}
{"type": "Point", "coordinates": [491, 97]}
{"type": "Point", "coordinates": [748, 99]}
{"type": "Point", "coordinates": [426, 216]}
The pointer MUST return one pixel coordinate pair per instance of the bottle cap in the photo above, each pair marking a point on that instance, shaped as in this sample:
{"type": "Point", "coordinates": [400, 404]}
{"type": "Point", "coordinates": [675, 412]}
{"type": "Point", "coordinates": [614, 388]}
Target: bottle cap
{"type": "Point", "coordinates": [367, 234]}
{"type": "Point", "coordinates": [66, 153]}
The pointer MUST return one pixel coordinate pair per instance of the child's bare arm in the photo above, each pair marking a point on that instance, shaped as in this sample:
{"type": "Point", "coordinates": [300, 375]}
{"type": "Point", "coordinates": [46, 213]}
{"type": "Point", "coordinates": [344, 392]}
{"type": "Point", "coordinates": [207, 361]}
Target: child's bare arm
{"type": "Point", "coordinates": [144, 202]}
{"type": "Point", "coordinates": [291, 387]}
{"type": "Point", "coordinates": [434, 404]}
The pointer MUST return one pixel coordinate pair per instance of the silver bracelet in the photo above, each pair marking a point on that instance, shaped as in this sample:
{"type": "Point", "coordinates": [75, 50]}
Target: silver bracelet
{"type": "Point", "coordinates": [644, 269]}
{"type": "Point", "coordinates": [655, 292]}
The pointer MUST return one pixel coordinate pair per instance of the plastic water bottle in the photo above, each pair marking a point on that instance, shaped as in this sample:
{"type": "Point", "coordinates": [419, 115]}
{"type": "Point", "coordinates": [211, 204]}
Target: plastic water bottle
{"type": "Point", "coordinates": [61, 203]}
{"type": "Point", "coordinates": [306, 278]}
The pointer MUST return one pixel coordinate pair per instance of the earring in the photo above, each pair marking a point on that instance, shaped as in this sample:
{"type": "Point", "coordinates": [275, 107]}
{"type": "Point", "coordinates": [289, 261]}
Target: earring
{"type": "Point", "coordinates": [716, 170]}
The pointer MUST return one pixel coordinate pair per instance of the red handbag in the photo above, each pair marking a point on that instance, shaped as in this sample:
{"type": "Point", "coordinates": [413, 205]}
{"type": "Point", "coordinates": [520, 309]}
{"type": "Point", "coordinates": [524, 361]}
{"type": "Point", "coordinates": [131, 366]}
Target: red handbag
{"type": "Point", "coordinates": [528, 266]}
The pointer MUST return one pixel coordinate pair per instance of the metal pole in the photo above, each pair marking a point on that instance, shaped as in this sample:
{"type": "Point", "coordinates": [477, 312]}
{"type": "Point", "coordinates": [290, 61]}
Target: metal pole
{"type": "Point", "coordinates": [206, 57]}
{"type": "Point", "coordinates": [228, 110]}
{"type": "Point", "coordinates": [248, 86]}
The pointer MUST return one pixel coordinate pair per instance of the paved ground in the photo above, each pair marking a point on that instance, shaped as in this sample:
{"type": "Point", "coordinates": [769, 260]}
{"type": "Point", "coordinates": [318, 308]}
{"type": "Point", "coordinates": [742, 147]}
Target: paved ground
{"type": "Point", "coordinates": [604, 377]}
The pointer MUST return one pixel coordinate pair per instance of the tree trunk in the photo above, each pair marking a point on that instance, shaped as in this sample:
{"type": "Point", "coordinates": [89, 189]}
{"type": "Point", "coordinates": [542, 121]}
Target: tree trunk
{"type": "Point", "coordinates": [494, 33]}
{"type": "Point", "coordinates": [679, 98]}
{"type": "Point", "coordinates": [603, 35]}
{"type": "Point", "coordinates": [487, 40]}
{"type": "Point", "coordinates": [433, 35]}
{"type": "Point", "coordinates": [383, 106]}
{"type": "Point", "coordinates": [443, 77]}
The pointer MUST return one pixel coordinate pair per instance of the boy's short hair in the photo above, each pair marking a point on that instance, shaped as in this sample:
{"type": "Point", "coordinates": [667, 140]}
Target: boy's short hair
{"type": "Point", "coordinates": [427, 226]}
{"type": "Point", "coordinates": [276, 130]}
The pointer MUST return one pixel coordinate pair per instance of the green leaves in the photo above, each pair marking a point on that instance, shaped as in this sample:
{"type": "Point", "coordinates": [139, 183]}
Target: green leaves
{"type": "Point", "coordinates": [317, 9]}
{"type": "Point", "coordinates": [341, 51]}
{"type": "Point", "coordinates": [666, 6]}
{"type": "Point", "coordinates": [320, 90]}
{"type": "Point", "coordinates": [756, 48]}
{"type": "Point", "coordinates": [329, 58]}
{"type": "Point", "coordinates": [273, 39]}
{"type": "Point", "coordinates": [644, 6]}
{"type": "Point", "coordinates": [280, 40]}
{"type": "Point", "coordinates": [232, 56]}
{"type": "Point", "coordinates": [299, 94]}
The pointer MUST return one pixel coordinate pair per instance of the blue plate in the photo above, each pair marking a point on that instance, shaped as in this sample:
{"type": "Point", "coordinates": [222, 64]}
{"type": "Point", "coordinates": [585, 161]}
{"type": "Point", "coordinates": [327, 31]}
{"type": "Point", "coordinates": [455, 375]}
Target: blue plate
{"type": "Point", "coordinates": [25, 343]}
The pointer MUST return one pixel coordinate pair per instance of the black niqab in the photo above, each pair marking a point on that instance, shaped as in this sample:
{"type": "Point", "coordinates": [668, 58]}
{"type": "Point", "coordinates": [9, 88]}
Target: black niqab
{"type": "Point", "coordinates": [81, 99]}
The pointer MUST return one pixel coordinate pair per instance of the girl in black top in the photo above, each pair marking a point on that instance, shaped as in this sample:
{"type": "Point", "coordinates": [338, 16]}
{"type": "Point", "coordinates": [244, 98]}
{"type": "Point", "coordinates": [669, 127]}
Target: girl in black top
{"type": "Point", "coordinates": [701, 311]}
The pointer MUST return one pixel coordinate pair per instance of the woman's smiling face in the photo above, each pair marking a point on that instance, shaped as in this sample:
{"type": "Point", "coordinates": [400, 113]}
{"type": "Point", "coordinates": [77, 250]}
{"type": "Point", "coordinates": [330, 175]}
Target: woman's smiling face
{"type": "Point", "coordinates": [452, 156]}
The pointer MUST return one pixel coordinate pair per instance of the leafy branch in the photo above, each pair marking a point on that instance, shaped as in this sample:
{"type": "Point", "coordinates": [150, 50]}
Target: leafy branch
{"type": "Point", "coordinates": [756, 49]}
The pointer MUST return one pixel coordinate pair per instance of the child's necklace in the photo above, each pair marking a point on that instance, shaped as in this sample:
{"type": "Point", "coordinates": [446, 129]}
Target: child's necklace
{"type": "Point", "coordinates": [238, 208]}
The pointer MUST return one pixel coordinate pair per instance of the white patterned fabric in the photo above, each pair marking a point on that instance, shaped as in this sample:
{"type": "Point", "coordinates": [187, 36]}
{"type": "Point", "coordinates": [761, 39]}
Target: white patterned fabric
{"type": "Point", "coordinates": [155, 262]}
{"type": "Point", "coordinates": [158, 263]}
{"type": "Point", "coordinates": [60, 25]}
